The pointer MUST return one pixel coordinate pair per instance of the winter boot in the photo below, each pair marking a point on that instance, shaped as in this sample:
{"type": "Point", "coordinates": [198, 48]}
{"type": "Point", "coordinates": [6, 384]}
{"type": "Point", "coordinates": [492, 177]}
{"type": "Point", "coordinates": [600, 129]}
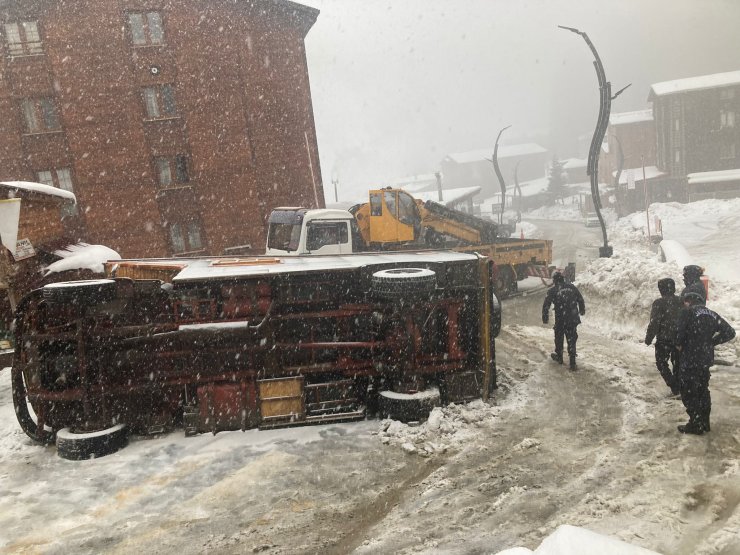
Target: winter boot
{"type": "Point", "coordinates": [557, 357]}
{"type": "Point", "coordinates": [691, 428]}
{"type": "Point", "coordinates": [573, 362]}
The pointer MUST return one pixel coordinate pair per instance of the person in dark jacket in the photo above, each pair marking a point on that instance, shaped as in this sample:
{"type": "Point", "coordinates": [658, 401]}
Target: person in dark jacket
{"type": "Point", "coordinates": [569, 306]}
{"type": "Point", "coordinates": [662, 327]}
{"type": "Point", "coordinates": [692, 280]}
{"type": "Point", "coordinates": [699, 331]}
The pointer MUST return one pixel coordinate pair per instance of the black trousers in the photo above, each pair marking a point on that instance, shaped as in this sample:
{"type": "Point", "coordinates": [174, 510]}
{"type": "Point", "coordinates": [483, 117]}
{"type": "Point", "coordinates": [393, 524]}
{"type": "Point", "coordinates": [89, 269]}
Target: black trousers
{"type": "Point", "coordinates": [695, 395]}
{"type": "Point", "coordinates": [569, 332]}
{"type": "Point", "coordinates": [665, 352]}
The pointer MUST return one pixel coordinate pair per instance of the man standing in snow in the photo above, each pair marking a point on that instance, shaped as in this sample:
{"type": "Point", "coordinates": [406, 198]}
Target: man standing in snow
{"type": "Point", "coordinates": [569, 306]}
{"type": "Point", "coordinates": [699, 331]}
{"type": "Point", "coordinates": [662, 327]}
{"type": "Point", "coordinates": [692, 280]}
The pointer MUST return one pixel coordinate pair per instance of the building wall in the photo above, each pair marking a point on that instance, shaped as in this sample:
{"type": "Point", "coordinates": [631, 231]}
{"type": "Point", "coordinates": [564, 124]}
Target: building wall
{"type": "Point", "coordinates": [637, 143]}
{"type": "Point", "coordinates": [691, 134]}
{"type": "Point", "coordinates": [243, 118]}
{"type": "Point", "coordinates": [481, 173]}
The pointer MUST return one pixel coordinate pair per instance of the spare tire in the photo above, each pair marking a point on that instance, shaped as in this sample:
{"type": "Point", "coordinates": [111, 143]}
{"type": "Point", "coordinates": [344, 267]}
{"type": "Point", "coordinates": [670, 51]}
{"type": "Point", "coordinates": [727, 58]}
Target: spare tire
{"type": "Point", "coordinates": [91, 445]}
{"type": "Point", "coordinates": [398, 283]}
{"type": "Point", "coordinates": [84, 292]}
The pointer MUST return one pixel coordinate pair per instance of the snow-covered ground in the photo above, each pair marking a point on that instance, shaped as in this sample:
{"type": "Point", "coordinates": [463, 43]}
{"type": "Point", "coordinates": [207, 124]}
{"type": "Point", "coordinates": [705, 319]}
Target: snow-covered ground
{"type": "Point", "coordinates": [595, 449]}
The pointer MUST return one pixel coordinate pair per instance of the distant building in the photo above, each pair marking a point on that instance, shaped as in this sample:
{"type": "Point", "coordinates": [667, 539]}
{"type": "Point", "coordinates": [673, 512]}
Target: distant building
{"type": "Point", "coordinates": [698, 131]}
{"type": "Point", "coordinates": [178, 125]}
{"type": "Point", "coordinates": [475, 169]}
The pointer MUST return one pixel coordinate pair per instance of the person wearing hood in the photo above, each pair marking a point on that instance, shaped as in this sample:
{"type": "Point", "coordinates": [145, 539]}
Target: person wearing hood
{"type": "Point", "coordinates": [569, 307]}
{"type": "Point", "coordinates": [692, 280]}
{"type": "Point", "coordinates": [662, 327]}
{"type": "Point", "coordinates": [700, 330]}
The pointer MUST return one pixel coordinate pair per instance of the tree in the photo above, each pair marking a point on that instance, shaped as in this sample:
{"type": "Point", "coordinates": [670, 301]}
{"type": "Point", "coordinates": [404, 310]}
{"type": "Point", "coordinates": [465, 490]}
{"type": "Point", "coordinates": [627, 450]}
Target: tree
{"type": "Point", "coordinates": [556, 179]}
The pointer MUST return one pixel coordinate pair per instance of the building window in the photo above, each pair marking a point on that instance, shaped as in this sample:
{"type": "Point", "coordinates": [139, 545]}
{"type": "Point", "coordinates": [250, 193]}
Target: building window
{"type": "Point", "coordinates": [727, 151]}
{"type": "Point", "coordinates": [172, 170]}
{"type": "Point", "coordinates": [726, 118]}
{"type": "Point", "coordinates": [23, 38]}
{"type": "Point", "coordinates": [726, 94]}
{"type": "Point", "coordinates": [677, 156]}
{"type": "Point", "coordinates": [60, 178]}
{"type": "Point", "coordinates": [146, 28]}
{"type": "Point", "coordinates": [185, 237]}
{"type": "Point", "coordinates": [160, 102]}
{"type": "Point", "coordinates": [676, 125]}
{"type": "Point", "coordinates": [40, 115]}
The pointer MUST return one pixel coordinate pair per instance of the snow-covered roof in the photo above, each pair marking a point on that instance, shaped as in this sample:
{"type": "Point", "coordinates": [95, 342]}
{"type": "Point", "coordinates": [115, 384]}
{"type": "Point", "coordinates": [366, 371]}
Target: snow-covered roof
{"type": "Point", "coordinates": [714, 177]}
{"type": "Point", "coordinates": [651, 172]}
{"type": "Point", "coordinates": [509, 151]}
{"type": "Point", "coordinates": [712, 81]}
{"type": "Point", "coordinates": [573, 163]}
{"type": "Point", "coordinates": [624, 118]}
{"type": "Point", "coordinates": [38, 188]}
{"type": "Point", "coordinates": [449, 196]}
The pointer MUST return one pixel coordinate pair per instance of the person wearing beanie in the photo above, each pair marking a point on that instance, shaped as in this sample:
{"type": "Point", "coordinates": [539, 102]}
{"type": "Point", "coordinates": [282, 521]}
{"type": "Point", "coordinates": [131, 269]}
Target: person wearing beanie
{"type": "Point", "coordinates": [699, 331]}
{"type": "Point", "coordinates": [568, 306]}
{"type": "Point", "coordinates": [692, 280]}
{"type": "Point", "coordinates": [662, 327]}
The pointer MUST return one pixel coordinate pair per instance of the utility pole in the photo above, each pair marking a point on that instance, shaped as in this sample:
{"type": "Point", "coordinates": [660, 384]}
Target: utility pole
{"type": "Point", "coordinates": [335, 182]}
{"type": "Point", "coordinates": [605, 103]}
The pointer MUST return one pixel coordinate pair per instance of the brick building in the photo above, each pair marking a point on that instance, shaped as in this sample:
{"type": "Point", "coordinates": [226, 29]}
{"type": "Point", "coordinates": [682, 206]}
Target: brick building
{"type": "Point", "coordinates": [177, 124]}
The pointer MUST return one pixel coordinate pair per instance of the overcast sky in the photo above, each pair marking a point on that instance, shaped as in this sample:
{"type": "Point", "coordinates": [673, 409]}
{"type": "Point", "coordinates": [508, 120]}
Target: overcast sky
{"type": "Point", "coordinates": [397, 84]}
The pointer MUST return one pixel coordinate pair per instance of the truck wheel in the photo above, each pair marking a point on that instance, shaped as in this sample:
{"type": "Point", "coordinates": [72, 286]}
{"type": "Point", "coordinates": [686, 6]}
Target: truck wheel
{"type": "Point", "coordinates": [83, 292]}
{"type": "Point", "coordinates": [397, 283]}
{"type": "Point", "coordinates": [408, 407]}
{"type": "Point", "coordinates": [28, 423]}
{"type": "Point", "coordinates": [80, 446]}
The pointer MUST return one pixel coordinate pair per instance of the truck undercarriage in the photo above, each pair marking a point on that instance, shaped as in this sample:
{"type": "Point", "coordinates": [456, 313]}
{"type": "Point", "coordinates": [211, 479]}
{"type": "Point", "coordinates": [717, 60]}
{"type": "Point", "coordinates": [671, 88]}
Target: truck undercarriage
{"type": "Point", "coordinates": [245, 343]}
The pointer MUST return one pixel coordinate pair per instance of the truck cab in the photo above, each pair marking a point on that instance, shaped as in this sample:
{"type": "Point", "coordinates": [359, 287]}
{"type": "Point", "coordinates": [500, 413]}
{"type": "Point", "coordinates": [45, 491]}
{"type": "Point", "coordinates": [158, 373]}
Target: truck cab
{"type": "Point", "coordinates": [294, 231]}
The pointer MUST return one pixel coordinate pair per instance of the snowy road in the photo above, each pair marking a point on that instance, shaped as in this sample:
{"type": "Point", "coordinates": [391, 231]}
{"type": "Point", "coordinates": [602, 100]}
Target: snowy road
{"type": "Point", "coordinates": [595, 448]}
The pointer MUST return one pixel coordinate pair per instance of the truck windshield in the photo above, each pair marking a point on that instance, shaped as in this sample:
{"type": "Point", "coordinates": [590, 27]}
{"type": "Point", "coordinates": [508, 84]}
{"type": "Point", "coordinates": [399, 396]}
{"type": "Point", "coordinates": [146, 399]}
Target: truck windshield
{"type": "Point", "coordinates": [284, 237]}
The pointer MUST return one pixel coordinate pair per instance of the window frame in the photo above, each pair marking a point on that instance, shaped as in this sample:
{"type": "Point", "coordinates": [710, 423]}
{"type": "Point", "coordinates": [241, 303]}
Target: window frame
{"type": "Point", "coordinates": [186, 230]}
{"type": "Point", "coordinates": [176, 167]}
{"type": "Point", "coordinates": [23, 47]}
{"type": "Point", "coordinates": [151, 30]}
{"type": "Point", "coordinates": [40, 115]}
{"type": "Point", "coordinates": [61, 178]}
{"type": "Point", "coordinates": [159, 102]}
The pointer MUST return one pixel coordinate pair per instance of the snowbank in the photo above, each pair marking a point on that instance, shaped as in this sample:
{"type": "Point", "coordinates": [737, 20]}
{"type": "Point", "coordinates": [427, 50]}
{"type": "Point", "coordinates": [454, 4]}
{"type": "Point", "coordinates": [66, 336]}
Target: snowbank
{"type": "Point", "coordinates": [572, 540]}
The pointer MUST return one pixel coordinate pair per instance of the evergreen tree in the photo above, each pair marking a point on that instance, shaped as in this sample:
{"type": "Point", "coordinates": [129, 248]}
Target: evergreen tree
{"type": "Point", "coordinates": [556, 179]}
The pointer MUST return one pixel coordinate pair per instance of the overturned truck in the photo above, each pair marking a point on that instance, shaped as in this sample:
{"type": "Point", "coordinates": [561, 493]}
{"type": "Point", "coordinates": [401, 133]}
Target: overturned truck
{"type": "Point", "coordinates": [218, 344]}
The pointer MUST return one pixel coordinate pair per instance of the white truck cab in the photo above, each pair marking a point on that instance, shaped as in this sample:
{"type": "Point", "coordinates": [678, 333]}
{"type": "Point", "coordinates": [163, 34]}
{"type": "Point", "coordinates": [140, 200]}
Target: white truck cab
{"type": "Point", "coordinates": [296, 231]}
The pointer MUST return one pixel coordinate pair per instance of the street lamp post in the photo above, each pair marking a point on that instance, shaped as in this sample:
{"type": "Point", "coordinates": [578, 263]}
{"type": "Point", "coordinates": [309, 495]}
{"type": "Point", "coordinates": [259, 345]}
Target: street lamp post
{"type": "Point", "coordinates": [605, 100]}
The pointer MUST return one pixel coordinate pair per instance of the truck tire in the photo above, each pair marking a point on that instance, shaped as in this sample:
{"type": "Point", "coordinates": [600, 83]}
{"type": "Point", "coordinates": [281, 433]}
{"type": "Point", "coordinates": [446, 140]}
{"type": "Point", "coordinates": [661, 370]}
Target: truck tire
{"type": "Point", "coordinates": [28, 423]}
{"type": "Point", "coordinates": [399, 283]}
{"type": "Point", "coordinates": [408, 407]}
{"type": "Point", "coordinates": [81, 446]}
{"type": "Point", "coordinates": [83, 293]}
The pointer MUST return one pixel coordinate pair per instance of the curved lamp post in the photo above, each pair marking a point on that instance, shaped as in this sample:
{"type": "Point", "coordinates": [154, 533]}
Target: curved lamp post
{"type": "Point", "coordinates": [501, 182]}
{"type": "Point", "coordinates": [605, 102]}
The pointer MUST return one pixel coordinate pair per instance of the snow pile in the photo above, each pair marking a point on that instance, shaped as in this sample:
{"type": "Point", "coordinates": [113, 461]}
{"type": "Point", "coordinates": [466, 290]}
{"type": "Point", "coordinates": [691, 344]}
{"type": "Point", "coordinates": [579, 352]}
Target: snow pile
{"type": "Point", "coordinates": [446, 428]}
{"type": "Point", "coordinates": [620, 290]}
{"type": "Point", "coordinates": [82, 257]}
{"type": "Point", "coordinates": [571, 540]}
